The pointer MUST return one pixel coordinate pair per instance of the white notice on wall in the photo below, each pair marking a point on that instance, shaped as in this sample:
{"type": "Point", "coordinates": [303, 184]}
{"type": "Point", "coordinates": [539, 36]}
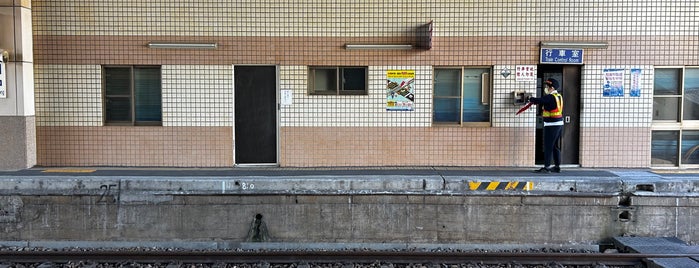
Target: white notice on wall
{"type": "Point", "coordinates": [525, 73]}
{"type": "Point", "coordinates": [3, 81]}
{"type": "Point", "coordinates": [287, 97]}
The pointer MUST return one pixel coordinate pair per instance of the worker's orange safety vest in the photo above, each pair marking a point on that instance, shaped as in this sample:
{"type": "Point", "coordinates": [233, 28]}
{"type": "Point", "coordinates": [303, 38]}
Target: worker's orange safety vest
{"type": "Point", "coordinates": [558, 112]}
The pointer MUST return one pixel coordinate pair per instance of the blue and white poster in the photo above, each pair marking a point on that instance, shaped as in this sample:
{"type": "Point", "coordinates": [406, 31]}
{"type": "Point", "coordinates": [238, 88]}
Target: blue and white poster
{"type": "Point", "coordinates": [613, 83]}
{"type": "Point", "coordinates": [635, 88]}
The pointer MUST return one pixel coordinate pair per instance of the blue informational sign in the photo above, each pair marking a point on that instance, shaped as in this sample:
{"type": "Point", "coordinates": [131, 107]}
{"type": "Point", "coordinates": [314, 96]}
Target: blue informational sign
{"type": "Point", "coordinates": [635, 88]}
{"type": "Point", "coordinates": [561, 56]}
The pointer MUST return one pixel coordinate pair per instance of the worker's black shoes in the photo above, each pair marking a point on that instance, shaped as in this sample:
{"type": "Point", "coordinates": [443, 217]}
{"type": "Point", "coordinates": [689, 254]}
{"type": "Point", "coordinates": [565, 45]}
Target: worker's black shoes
{"type": "Point", "coordinates": [542, 170]}
{"type": "Point", "coordinates": [548, 170]}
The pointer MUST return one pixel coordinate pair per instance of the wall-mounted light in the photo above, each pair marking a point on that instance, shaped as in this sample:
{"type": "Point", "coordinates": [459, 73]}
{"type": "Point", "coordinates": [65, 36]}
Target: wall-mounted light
{"type": "Point", "coordinates": [183, 45]}
{"type": "Point", "coordinates": [564, 44]}
{"type": "Point", "coordinates": [379, 46]}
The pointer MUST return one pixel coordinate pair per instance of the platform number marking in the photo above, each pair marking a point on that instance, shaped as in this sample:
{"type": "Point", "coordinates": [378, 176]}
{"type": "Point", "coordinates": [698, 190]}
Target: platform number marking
{"type": "Point", "coordinates": [247, 186]}
{"type": "Point", "coordinates": [109, 193]}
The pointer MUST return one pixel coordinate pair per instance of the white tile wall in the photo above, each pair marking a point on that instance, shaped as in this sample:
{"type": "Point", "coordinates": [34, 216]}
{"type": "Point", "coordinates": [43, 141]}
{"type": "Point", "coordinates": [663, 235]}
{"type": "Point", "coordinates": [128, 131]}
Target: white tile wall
{"type": "Point", "coordinates": [355, 111]}
{"type": "Point", "coordinates": [626, 111]}
{"type": "Point", "coordinates": [197, 95]}
{"type": "Point", "coordinates": [71, 95]}
{"type": "Point", "coordinates": [357, 18]}
{"type": "Point", "coordinates": [503, 112]}
{"type": "Point", "coordinates": [68, 95]}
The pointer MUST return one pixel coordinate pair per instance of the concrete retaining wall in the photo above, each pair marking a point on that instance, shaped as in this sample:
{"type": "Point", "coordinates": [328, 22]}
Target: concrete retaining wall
{"type": "Point", "coordinates": [463, 207]}
{"type": "Point", "coordinates": [373, 218]}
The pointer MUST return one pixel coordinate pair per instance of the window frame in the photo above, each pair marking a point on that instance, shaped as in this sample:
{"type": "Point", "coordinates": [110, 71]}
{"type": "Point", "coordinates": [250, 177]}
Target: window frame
{"type": "Point", "coordinates": [339, 85]}
{"type": "Point", "coordinates": [680, 125]}
{"type": "Point", "coordinates": [486, 92]}
{"type": "Point", "coordinates": [131, 96]}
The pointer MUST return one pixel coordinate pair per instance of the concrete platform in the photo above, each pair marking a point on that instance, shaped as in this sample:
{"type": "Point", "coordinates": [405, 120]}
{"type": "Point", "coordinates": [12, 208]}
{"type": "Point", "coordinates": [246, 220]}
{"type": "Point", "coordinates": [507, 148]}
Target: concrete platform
{"type": "Point", "coordinates": [422, 205]}
{"type": "Point", "coordinates": [444, 180]}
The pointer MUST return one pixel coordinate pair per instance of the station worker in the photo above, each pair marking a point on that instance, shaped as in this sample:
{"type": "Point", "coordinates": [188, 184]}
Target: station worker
{"type": "Point", "coordinates": [552, 104]}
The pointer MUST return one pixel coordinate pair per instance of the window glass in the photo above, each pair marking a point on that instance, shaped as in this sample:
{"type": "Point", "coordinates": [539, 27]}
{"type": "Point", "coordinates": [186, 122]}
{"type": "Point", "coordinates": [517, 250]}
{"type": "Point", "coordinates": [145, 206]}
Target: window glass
{"type": "Point", "coordinates": [117, 81]}
{"type": "Point", "coordinates": [446, 110]}
{"type": "Point", "coordinates": [147, 94]}
{"type": "Point", "coordinates": [675, 101]}
{"type": "Point", "coordinates": [667, 82]}
{"type": "Point", "coordinates": [118, 109]}
{"type": "Point", "coordinates": [666, 108]}
{"type": "Point", "coordinates": [690, 147]}
{"type": "Point", "coordinates": [473, 108]}
{"type": "Point", "coordinates": [117, 89]}
{"type": "Point", "coordinates": [447, 82]}
{"type": "Point", "coordinates": [324, 81]}
{"type": "Point", "coordinates": [447, 87]}
{"type": "Point", "coordinates": [691, 95]}
{"type": "Point", "coordinates": [354, 79]}
{"type": "Point", "coordinates": [667, 90]}
{"type": "Point", "coordinates": [132, 95]}
{"type": "Point", "coordinates": [664, 148]}
{"type": "Point", "coordinates": [458, 95]}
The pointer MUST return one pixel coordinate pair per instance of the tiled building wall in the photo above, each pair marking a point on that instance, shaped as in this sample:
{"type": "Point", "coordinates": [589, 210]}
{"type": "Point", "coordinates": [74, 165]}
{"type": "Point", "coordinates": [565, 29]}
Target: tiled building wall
{"type": "Point", "coordinates": [355, 110]}
{"type": "Point", "coordinates": [197, 119]}
{"type": "Point", "coordinates": [73, 38]}
{"type": "Point", "coordinates": [68, 95]}
{"type": "Point", "coordinates": [615, 131]}
{"type": "Point", "coordinates": [134, 146]}
{"type": "Point", "coordinates": [197, 95]}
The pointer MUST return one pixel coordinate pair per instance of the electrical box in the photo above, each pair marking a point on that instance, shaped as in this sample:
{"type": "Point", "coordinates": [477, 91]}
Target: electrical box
{"type": "Point", "coordinates": [520, 97]}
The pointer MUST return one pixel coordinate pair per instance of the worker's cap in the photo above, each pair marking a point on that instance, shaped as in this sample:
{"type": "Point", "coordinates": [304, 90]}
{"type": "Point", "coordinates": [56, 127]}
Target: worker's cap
{"type": "Point", "coordinates": [552, 82]}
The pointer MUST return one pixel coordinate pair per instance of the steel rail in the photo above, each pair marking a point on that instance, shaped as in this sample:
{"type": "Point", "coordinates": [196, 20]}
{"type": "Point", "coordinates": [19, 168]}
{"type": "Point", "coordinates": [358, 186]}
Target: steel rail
{"type": "Point", "coordinates": [329, 256]}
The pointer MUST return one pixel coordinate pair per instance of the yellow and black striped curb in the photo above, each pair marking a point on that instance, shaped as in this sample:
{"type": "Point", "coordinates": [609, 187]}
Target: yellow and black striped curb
{"type": "Point", "coordinates": [500, 185]}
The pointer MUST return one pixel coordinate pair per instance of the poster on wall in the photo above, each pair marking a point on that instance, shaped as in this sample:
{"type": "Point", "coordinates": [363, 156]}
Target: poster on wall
{"type": "Point", "coordinates": [613, 83]}
{"type": "Point", "coordinates": [525, 73]}
{"type": "Point", "coordinates": [287, 97]}
{"type": "Point", "coordinates": [3, 86]}
{"type": "Point", "coordinates": [399, 90]}
{"type": "Point", "coordinates": [635, 88]}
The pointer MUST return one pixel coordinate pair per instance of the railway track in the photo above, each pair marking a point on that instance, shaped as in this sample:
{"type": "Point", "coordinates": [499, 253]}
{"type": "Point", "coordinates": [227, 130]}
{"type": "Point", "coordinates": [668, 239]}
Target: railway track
{"type": "Point", "coordinates": [342, 257]}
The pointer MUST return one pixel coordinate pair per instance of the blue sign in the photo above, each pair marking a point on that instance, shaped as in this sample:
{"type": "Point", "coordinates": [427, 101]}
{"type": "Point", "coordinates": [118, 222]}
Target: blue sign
{"type": "Point", "coordinates": [561, 56]}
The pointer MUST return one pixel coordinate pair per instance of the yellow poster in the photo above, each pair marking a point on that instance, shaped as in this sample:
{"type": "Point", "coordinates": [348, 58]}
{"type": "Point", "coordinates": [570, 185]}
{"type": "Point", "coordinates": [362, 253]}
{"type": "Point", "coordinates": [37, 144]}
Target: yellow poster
{"type": "Point", "coordinates": [399, 90]}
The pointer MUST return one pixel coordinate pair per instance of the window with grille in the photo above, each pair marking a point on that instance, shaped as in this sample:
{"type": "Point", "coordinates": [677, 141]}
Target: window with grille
{"type": "Point", "coordinates": [132, 95]}
{"type": "Point", "coordinates": [675, 135]}
{"type": "Point", "coordinates": [338, 80]}
{"type": "Point", "coordinates": [461, 96]}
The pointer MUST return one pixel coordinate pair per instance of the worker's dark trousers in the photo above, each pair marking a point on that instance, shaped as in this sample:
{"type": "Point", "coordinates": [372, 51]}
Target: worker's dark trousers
{"type": "Point", "coordinates": [551, 151]}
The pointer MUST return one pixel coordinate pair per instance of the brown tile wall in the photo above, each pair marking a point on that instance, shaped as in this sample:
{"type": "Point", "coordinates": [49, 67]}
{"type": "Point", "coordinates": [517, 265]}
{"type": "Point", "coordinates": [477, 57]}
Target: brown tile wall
{"type": "Point", "coordinates": [615, 147]}
{"type": "Point", "coordinates": [135, 146]}
{"type": "Point", "coordinates": [319, 146]}
{"type": "Point", "coordinates": [289, 33]}
{"type": "Point", "coordinates": [488, 50]}
{"type": "Point", "coordinates": [432, 146]}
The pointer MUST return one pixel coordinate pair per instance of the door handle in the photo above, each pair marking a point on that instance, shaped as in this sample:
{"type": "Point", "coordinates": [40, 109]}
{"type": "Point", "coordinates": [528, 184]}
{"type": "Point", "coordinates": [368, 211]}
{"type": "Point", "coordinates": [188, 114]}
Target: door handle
{"type": "Point", "coordinates": [567, 119]}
